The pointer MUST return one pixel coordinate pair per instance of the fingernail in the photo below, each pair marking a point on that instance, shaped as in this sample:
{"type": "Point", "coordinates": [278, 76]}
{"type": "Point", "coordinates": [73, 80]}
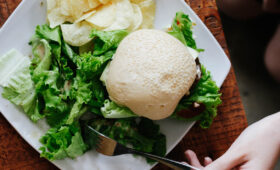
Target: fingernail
{"type": "Point", "coordinates": [188, 151]}
{"type": "Point", "coordinates": [207, 158]}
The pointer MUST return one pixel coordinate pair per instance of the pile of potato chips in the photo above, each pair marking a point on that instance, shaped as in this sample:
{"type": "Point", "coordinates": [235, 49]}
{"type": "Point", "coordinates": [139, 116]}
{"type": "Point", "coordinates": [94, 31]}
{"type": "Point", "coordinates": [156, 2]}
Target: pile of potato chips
{"type": "Point", "coordinates": [78, 17]}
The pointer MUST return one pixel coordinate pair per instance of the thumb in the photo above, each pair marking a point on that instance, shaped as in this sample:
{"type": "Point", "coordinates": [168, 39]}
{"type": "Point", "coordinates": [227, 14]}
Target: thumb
{"type": "Point", "coordinates": [226, 162]}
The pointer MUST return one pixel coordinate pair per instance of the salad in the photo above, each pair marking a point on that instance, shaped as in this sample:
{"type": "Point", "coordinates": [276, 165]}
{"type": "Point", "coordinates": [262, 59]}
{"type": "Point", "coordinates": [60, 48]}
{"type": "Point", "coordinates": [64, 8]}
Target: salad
{"type": "Point", "coordinates": [61, 84]}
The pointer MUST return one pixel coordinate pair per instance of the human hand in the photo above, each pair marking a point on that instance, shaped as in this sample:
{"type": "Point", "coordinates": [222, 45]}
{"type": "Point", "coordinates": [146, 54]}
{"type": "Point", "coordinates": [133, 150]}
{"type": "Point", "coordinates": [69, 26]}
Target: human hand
{"type": "Point", "coordinates": [257, 148]}
{"type": "Point", "coordinates": [193, 160]}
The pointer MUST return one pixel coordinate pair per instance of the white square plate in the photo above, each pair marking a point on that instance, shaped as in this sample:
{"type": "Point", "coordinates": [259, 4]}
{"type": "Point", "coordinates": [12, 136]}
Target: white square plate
{"type": "Point", "coordinates": [19, 28]}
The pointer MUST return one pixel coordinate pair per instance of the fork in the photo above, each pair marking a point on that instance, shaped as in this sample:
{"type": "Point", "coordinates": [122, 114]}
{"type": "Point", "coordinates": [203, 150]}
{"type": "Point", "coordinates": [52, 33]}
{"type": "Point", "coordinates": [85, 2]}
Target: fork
{"type": "Point", "coordinates": [110, 147]}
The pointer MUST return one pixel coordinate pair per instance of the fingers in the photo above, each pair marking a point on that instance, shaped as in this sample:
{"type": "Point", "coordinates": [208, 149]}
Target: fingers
{"type": "Point", "coordinates": [192, 159]}
{"type": "Point", "coordinates": [207, 161]}
{"type": "Point", "coordinates": [219, 164]}
{"type": "Point", "coordinates": [226, 162]}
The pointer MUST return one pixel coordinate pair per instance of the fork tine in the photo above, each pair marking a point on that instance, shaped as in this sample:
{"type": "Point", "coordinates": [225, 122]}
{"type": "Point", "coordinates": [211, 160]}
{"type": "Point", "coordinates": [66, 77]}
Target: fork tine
{"type": "Point", "coordinates": [107, 146]}
{"type": "Point", "coordinates": [104, 144]}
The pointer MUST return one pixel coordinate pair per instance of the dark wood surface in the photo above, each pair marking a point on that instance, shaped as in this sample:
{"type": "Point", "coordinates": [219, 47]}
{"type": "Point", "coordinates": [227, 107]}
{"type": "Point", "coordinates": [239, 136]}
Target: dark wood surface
{"type": "Point", "coordinates": [15, 153]}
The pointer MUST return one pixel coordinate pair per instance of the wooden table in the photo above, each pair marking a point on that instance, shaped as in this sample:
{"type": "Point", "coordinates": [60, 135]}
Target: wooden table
{"type": "Point", "coordinates": [15, 153]}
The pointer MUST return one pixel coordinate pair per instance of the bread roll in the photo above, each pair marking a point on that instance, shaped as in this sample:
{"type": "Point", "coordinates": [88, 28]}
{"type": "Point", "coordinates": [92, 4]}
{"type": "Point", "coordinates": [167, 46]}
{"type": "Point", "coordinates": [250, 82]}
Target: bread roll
{"type": "Point", "coordinates": [150, 73]}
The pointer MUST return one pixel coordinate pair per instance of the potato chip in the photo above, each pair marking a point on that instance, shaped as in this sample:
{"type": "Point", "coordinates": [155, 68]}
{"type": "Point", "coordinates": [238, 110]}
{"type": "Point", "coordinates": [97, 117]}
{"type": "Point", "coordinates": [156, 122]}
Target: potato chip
{"type": "Point", "coordinates": [93, 3]}
{"type": "Point", "coordinates": [124, 14]}
{"type": "Point", "coordinates": [55, 18]}
{"type": "Point", "coordinates": [137, 18]}
{"type": "Point", "coordinates": [104, 1]}
{"type": "Point", "coordinates": [65, 7]}
{"type": "Point", "coordinates": [104, 16]}
{"type": "Point", "coordinates": [76, 34]}
{"type": "Point", "coordinates": [100, 14]}
{"type": "Point", "coordinates": [85, 16]}
{"type": "Point", "coordinates": [148, 8]}
{"type": "Point", "coordinates": [78, 7]}
{"type": "Point", "coordinates": [51, 4]}
{"type": "Point", "coordinates": [136, 1]}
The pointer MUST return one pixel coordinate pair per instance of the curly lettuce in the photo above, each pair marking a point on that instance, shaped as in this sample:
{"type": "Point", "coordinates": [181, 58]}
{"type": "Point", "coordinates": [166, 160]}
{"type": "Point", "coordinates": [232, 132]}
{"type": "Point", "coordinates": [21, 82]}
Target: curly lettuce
{"type": "Point", "coordinates": [91, 66]}
{"type": "Point", "coordinates": [62, 142]}
{"type": "Point", "coordinates": [205, 93]}
{"type": "Point", "coordinates": [111, 110]}
{"type": "Point", "coordinates": [106, 40]}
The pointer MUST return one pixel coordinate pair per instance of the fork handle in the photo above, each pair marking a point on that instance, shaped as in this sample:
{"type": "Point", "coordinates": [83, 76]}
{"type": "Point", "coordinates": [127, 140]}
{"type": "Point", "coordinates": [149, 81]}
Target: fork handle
{"type": "Point", "coordinates": [168, 162]}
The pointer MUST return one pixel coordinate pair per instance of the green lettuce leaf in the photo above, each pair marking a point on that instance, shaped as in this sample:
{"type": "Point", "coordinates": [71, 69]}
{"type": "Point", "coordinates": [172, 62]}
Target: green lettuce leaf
{"type": "Point", "coordinates": [67, 68]}
{"type": "Point", "coordinates": [62, 142]}
{"type": "Point", "coordinates": [77, 111]}
{"type": "Point", "coordinates": [17, 83]}
{"type": "Point", "coordinates": [81, 90]}
{"type": "Point", "coordinates": [88, 95]}
{"type": "Point", "coordinates": [182, 29]}
{"type": "Point", "coordinates": [27, 100]}
{"type": "Point", "coordinates": [56, 110]}
{"type": "Point", "coordinates": [99, 94]}
{"type": "Point", "coordinates": [205, 92]}
{"type": "Point", "coordinates": [111, 110]}
{"type": "Point", "coordinates": [86, 89]}
{"type": "Point", "coordinates": [82, 94]}
{"type": "Point", "coordinates": [106, 40]}
{"type": "Point", "coordinates": [152, 131]}
{"type": "Point", "coordinates": [42, 57]}
{"type": "Point", "coordinates": [68, 61]}
{"type": "Point", "coordinates": [52, 35]}
{"type": "Point", "coordinates": [46, 80]}
{"type": "Point", "coordinates": [69, 52]}
{"type": "Point", "coordinates": [48, 33]}
{"type": "Point", "coordinates": [91, 66]}
{"type": "Point", "coordinates": [46, 68]}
